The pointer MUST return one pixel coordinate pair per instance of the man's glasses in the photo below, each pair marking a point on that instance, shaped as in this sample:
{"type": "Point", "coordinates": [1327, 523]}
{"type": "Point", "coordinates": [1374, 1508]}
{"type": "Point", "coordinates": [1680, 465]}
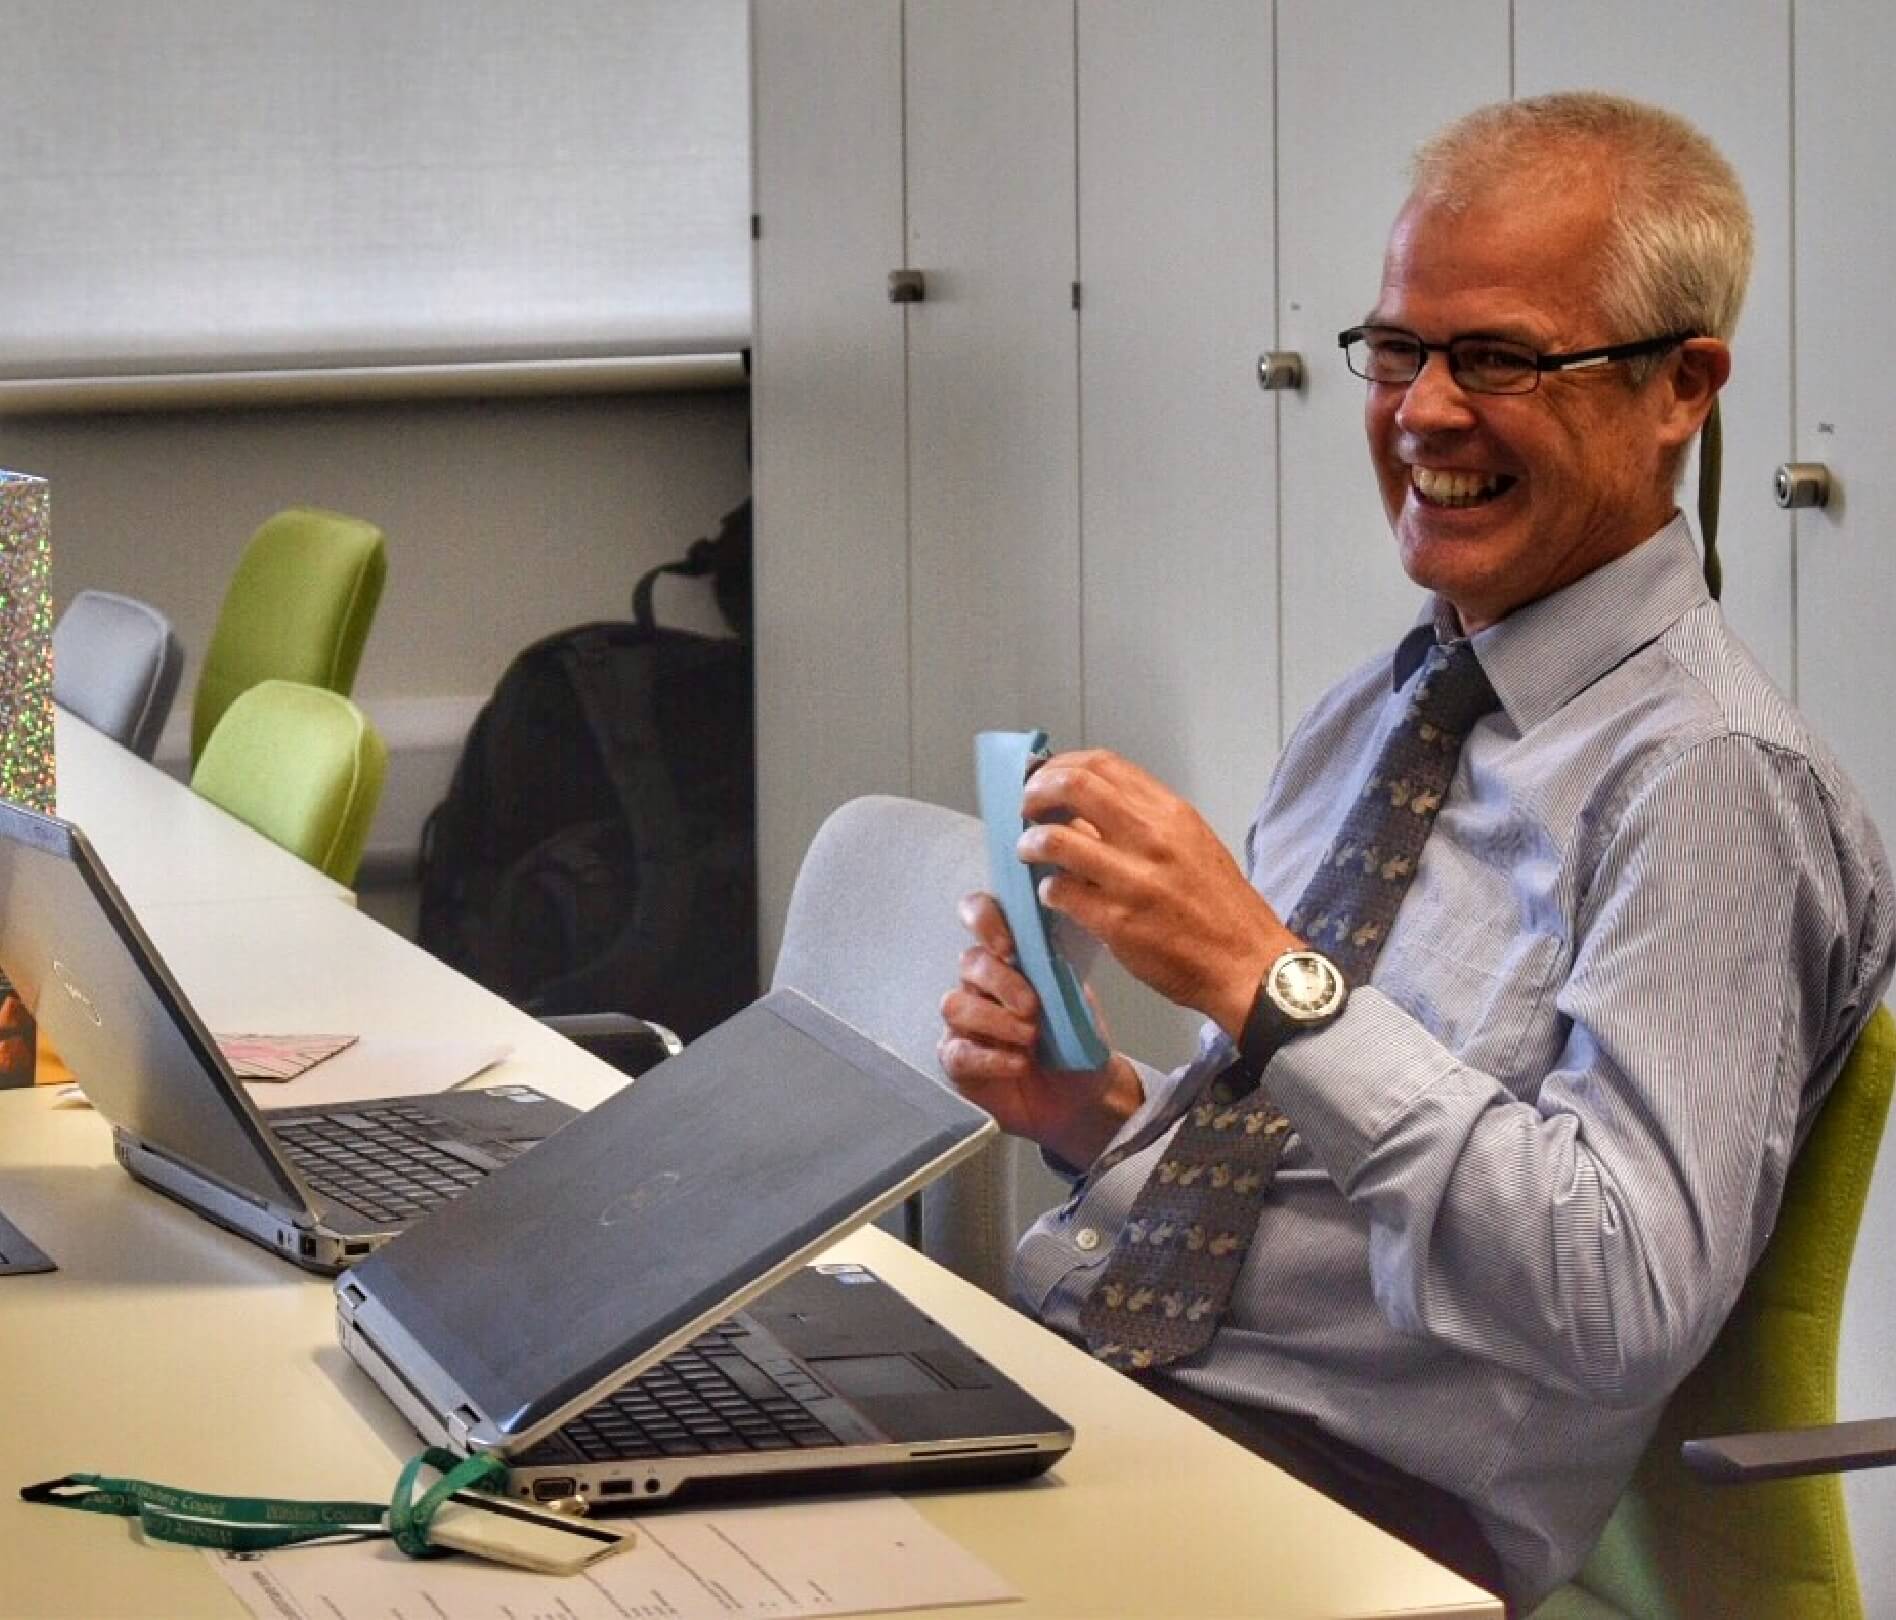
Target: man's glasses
{"type": "Point", "coordinates": [1481, 365]}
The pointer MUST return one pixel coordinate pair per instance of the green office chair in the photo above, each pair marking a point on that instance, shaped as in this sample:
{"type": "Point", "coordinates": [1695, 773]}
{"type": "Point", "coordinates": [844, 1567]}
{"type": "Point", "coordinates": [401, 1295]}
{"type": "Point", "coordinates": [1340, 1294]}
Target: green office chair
{"type": "Point", "coordinates": [1677, 1548]}
{"type": "Point", "coordinates": [298, 608]}
{"type": "Point", "coordinates": [301, 765]}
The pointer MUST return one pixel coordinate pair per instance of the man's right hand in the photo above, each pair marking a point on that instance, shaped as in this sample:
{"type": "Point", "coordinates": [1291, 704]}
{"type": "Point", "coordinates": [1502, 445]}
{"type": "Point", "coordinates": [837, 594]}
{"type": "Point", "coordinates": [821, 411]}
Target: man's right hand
{"type": "Point", "coordinates": [993, 1023]}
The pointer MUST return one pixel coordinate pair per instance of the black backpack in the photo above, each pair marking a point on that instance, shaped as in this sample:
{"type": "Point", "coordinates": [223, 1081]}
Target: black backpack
{"type": "Point", "coordinates": [596, 851]}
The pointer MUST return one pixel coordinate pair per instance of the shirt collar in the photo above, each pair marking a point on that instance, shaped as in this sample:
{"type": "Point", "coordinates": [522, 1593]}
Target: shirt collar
{"type": "Point", "coordinates": [1547, 652]}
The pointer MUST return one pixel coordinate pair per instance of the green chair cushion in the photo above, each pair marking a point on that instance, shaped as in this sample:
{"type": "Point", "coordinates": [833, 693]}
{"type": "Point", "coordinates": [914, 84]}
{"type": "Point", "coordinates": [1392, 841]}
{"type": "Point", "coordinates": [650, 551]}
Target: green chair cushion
{"type": "Point", "coordinates": [301, 765]}
{"type": "Point", "coordinates": [1573, 1602]}
{"type": "Point", "coordinates": [1677, 1549]}
{"type": "Point", "coordinates": [298, 608]}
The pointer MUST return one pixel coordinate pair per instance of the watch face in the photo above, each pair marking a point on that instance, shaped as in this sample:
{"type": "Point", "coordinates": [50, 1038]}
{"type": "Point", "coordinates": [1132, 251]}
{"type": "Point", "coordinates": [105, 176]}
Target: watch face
{"type": "Point", "coordinates": [1306, 985]}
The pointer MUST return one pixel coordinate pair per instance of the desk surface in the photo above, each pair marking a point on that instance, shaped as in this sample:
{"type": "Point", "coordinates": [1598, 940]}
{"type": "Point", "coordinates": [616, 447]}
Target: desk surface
{"type": "Point", "coordinates": [159, 840]}
{"type": "Point", "coordinates": [167, 1349]}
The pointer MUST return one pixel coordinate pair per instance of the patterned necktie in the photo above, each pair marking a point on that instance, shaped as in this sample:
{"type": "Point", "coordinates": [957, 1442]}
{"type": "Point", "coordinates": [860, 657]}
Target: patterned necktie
{"type": "Point", "coordinates": [1191, 1225]}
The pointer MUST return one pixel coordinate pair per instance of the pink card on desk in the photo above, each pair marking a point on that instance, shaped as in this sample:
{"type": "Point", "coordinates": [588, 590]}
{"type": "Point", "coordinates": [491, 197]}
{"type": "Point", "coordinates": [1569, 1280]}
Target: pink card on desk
{"type": "Point", "coordinates": [279, 1057]}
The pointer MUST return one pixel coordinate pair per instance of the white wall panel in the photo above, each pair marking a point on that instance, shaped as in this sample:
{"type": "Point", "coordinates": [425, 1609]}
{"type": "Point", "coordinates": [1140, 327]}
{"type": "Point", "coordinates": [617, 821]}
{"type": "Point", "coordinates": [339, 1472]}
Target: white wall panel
{"type": "Point", "coordinates": [506, 519]}
{"type": "Point", "coordinates": [1846, 574]}
{"type": "Point", "coordinates": [993, 407]}
{"type": "Point", "coordinates": [1725, 65]}
{"type": "Point", "coordinates": [1360, 83]}
{"type": "Point", "coordinates": [1179, 453]}
{"type": "Point", "coordinates": [828, 392]}
{"type": "Point", "coordinates": [1178, 443]}
{"type": "Point", "coordinates": [219, 187]}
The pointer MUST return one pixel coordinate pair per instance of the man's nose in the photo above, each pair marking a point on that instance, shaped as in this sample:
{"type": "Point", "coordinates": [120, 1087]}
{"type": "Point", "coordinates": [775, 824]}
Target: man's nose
{"type": "Point", "coordinates": [1434, 400]}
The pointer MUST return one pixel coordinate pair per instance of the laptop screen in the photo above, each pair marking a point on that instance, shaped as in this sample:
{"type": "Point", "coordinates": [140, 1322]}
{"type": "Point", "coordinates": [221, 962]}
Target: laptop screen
{"type": "Point", "coordinates": [107, 1005]}
{"type": "Point", "coordinates": [674, 1198]}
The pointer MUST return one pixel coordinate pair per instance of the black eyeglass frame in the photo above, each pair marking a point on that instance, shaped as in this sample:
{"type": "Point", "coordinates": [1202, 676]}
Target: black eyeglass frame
{"type": "Point", "coordinates": [1574, 360]}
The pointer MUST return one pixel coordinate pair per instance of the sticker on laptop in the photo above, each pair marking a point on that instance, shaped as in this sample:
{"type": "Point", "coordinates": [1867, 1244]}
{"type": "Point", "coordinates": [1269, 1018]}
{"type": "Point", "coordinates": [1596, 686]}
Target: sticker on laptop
{"type": "Point", "coordinates": [845, 1272]}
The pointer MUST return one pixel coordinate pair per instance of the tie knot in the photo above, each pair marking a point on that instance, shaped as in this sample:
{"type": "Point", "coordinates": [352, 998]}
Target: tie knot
{"type": "Point", "coordinates": [1454, 692]}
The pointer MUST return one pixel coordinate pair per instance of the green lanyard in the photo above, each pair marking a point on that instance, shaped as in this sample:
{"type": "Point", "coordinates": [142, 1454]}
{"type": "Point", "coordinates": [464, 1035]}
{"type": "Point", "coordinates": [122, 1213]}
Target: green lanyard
{"type": "Point", "coordinates": [256, 1523]}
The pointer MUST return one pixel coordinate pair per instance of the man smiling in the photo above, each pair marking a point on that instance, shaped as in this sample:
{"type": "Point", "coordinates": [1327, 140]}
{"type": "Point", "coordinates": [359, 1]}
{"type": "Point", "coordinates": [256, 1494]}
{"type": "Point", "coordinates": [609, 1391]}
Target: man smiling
{"type": "Point", "coordinates": [1556, 929]}
{"type": "Point", "coordinates": [1502, 489]}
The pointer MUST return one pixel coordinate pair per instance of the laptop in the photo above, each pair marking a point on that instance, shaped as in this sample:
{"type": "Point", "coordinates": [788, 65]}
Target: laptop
{"type": "Point", "coordinates": [322, 1187]}
{"type": "Point", "coordinates": [626, 1314]}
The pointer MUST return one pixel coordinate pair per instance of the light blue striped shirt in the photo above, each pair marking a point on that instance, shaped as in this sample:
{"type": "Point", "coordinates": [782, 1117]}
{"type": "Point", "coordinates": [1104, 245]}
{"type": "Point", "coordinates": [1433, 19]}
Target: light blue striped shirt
{"type": "Point", "coordinates": [1537, 1155]}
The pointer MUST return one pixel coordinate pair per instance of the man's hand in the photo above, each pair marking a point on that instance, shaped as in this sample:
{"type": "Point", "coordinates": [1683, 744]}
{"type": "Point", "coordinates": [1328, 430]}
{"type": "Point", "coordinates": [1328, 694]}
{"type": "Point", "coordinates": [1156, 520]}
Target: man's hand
{"type": "Point", "coordinates": [993, 1022]}
{"type": "Point", "coordinates": [1143, 872]}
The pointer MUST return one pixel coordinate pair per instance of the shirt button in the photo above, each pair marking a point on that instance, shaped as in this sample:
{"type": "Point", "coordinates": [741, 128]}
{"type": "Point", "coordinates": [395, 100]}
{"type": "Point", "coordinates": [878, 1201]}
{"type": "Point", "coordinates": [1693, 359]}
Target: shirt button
{"type": "Point", "coordinates": [1086, 1239]}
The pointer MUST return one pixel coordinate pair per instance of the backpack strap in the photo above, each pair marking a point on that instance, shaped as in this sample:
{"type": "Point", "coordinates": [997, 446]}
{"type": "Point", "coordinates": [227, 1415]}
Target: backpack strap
{"type": "Point", "coordinates": [621, 713]}
{"type": "Point", "coordinates": [622, 716]}
{"type": "Point", "coordinates": [725, 555]}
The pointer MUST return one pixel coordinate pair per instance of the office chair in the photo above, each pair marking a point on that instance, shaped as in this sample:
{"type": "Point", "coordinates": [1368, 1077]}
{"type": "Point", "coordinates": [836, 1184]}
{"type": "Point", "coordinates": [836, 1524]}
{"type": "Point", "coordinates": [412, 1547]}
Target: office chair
{"type": "Point", "coordinates": [871, 933]}
{"type": "Point", "coordinates": [298, 608]}
{"type": "Point", "coordinates": [116, 664]}
{"type": "Point", "coordinates": [301, 765]}
{"type": "Point", "coordinates": [1677, 1548]}
{"type": "Point", "coordinates": [630, 1044]}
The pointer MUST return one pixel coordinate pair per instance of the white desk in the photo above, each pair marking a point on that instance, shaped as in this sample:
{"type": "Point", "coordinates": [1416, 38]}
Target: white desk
{"type": "Point", "coordinates": [159, 840]}
{"type": "Point", "coordinates": [166, 1349]}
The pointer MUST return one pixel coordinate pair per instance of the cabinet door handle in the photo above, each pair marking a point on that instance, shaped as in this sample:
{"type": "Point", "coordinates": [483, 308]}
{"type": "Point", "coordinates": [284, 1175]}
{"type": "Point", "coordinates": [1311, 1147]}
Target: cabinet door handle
{"type": "Point", "coordinates": [1802, 483]}
{"type": "Point", "coordinates": [1280, 368]}
{"type": "Point", "coordinates": [907, 287]}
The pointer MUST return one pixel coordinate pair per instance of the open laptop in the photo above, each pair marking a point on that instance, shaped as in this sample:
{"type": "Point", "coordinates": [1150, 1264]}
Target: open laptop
{"type": "Point", "coordinates": [320, 1186]}
{"type": "Point", "coordinates": [523, 1318]}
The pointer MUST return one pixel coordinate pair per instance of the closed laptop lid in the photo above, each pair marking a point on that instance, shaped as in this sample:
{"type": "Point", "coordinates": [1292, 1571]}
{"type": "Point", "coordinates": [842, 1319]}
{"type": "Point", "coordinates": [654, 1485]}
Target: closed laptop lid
{"type": "Point", "coordinates": [100, 991]}
{"type": "Point", "coordinates": [670, 1204]}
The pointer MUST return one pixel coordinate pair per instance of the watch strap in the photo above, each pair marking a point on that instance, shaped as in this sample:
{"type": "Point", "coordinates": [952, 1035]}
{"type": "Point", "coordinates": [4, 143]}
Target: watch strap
{"type": "Point", "coordinates": [1265, 1030]}
{"type": "Point", "coordinates": [1268, 1025]}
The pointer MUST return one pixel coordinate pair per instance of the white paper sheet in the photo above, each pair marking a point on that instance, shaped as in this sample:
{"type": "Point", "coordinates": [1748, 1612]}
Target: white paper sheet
{"type": "Point", "coordinates": [380, 1066]}
{"type": "Point", "coordinates": [857, 1555]}
{"type": "Point", "coordinates": [375, 1066]}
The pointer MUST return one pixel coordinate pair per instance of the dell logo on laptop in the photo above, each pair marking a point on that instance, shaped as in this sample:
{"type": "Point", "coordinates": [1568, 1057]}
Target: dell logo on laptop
{"type": "Point", "coordinates": [640, 1198]}
{"type": "Point", "coordinates": [73, 990]}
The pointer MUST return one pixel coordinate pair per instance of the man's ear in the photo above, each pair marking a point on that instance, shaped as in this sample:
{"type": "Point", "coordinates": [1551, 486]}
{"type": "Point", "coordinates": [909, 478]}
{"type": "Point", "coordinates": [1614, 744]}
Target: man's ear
{"type": "Point", "coordinates": [1692, 381]}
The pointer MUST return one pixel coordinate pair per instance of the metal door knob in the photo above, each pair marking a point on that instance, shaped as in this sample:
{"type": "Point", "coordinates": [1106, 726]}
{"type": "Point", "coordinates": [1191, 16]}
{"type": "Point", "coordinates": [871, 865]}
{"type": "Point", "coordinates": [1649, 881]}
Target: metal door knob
{"type": "Point", "coordinates": [1801, 483]}
{"type": "Point", "coordinates": [1280, 368]}
{"type": "Point", "coordinates": [907, 287]}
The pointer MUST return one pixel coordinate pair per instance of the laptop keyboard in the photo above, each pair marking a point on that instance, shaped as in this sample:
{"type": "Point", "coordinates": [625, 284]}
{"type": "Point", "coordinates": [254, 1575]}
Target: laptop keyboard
{"type": "Point", "coordinates": [705, 1397]}
{"type": "Point", "coordinates": [392, 1162]}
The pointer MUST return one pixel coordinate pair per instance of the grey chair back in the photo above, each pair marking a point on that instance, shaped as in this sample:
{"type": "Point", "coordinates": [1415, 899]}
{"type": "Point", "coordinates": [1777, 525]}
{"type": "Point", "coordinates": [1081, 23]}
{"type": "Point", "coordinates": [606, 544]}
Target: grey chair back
{"type": "Point", "coordinates": [872, 934]}
{"type": "Point", "coordinates": [116, 664]}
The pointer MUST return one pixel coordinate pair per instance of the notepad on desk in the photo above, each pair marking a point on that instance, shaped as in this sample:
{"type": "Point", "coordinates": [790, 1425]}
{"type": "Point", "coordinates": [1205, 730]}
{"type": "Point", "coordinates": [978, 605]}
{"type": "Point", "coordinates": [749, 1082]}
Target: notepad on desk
{"type": "Point", "coordinates": [853, 1555]}
{"type": "Point", "coordinates": [279, 1057]}
{"type": "Point", "coordinates": [294, 1071]}
{"type": "Point", "coordinates": [381, 1066]}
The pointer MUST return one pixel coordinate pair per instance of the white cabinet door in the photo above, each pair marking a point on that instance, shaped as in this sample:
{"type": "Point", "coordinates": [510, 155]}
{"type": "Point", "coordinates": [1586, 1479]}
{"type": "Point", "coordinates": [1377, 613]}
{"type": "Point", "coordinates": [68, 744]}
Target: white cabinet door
{"type": "Point", "coordinates": [1178, 448]}
{"type": "Point", "coordinates": [1178, 442]}
{"type": "Point", "coordinates": [1360, 83]}
{"type": "Point", "coordinates": [993, 413]}
{"type": "Point", "coordinates": [829, 445]}
{"type": "Point", "coordinates": [1725, 65]}
{"type": "Point", "coordinates": [1846, 574]}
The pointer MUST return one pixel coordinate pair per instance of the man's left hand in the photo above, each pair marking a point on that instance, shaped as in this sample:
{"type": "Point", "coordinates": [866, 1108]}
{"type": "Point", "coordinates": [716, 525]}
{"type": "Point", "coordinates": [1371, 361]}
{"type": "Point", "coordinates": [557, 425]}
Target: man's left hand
{"type": "Point", "coordinates": [1143, 872]}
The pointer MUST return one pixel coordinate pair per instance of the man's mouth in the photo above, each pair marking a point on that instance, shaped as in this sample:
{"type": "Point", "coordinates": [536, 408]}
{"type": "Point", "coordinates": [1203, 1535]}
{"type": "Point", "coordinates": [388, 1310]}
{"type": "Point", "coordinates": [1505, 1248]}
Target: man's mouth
{"type": "Point", "coordinates": [1440, 486]}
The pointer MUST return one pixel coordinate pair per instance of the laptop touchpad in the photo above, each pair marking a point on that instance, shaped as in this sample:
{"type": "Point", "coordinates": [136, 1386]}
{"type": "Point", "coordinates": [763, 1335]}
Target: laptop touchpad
{"type": "Point", "coordinates": [866, 1377]}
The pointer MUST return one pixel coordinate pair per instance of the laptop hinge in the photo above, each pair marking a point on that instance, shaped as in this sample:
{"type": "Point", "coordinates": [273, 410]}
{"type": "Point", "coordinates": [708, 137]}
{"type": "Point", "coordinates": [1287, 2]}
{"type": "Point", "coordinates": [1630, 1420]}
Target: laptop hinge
{"type": "Point", "coordinates": [461, 1423]}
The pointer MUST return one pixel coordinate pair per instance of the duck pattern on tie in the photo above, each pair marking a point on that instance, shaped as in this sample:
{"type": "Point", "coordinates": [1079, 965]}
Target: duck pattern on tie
{"type": "Point", "coordinates": [1178, 1256]}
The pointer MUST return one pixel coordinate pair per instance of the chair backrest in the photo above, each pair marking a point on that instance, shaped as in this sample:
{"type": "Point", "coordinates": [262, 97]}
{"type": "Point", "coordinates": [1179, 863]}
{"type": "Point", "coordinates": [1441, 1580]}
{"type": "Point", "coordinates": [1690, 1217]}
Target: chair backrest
{"type": "Point", "coordinates": [301, 765]}
{"type": "Point", "coordinates": [298, 608]}
{"type": "Point", "coordinates": [116, 664]}
{"type": "Point", "coordinates": [1677, 1549]}
{"type": "Point", "coordinates": [871, 933]}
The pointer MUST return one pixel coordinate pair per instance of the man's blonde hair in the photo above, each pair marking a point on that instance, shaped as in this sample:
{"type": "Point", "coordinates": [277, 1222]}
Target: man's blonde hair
{"type": "Point", "coordinates": [1679, 256]}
